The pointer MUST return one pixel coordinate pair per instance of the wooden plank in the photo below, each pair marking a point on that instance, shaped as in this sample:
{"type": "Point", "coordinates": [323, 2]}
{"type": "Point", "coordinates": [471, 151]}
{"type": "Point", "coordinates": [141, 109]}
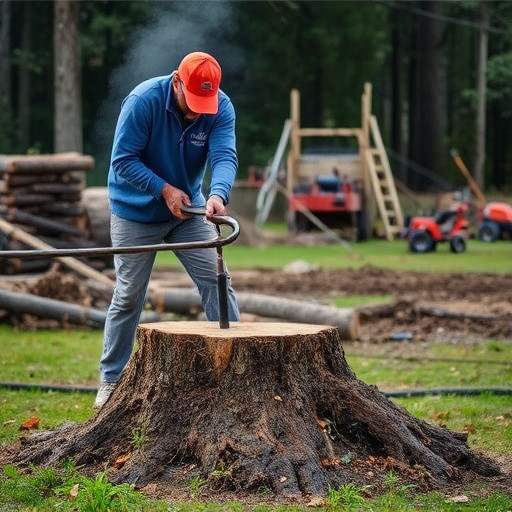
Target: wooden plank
{"type": "Point", "coordinates": [57, 188]}
{"type": "Point", "coordinates": [329, 132]}
{"type": "Point", "coordinates": [25, 199]}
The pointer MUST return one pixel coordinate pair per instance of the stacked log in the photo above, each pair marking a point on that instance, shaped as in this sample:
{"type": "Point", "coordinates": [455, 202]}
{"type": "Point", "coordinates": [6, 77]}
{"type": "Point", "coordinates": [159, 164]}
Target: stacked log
{"type": "Point", "coordinates": [41, 194]}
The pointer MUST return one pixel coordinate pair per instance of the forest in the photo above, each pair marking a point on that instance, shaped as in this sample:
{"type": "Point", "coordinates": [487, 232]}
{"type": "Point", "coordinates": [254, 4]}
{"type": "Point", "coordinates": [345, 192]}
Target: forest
{"type": "Point", "coordinates": [441, 74]}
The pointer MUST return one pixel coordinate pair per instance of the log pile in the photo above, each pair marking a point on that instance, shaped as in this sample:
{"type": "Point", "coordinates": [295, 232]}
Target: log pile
{"type": "Point", "coordinates": [41, 194]}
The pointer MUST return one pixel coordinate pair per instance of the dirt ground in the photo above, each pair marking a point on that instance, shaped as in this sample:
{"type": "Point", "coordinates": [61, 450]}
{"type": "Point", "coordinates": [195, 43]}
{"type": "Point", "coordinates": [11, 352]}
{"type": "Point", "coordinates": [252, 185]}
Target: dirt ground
{"type": "Point", "coordinates": [426, 306]}
{"type": "Point", "coordinates": [454, 307]}
{"type": "Point", "coordinates": [421, 306]}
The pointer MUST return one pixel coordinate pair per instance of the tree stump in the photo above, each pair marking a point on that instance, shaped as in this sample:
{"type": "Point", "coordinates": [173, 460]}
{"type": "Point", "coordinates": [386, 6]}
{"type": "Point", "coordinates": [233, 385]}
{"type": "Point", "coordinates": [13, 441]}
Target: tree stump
{"type": "Point", "coordinates": [260, 404]}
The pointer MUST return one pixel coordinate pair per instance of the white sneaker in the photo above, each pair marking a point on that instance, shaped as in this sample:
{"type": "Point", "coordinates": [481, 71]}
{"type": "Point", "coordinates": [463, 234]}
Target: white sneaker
{"type": "Point", "coordinates": [104, 392]}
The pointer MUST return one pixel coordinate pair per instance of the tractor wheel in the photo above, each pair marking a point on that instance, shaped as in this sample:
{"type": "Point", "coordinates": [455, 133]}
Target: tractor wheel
{"type": "Point", "coordinates": [298, 223]}
{"type": "Point", "coordinates": [361, 227]}
{"type": "Point", "coordinates": [457, 244]}
{"type": "Point", "coordinates": [421, 241]}
{"type": "Point", "coordinates": [489, 231]}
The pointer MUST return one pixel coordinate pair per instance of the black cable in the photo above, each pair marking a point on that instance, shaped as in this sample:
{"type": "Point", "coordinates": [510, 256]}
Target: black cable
{"type": "Point", "coordinates": [415, 359]}
{"type": "Point", "coordinates": [404, 393]}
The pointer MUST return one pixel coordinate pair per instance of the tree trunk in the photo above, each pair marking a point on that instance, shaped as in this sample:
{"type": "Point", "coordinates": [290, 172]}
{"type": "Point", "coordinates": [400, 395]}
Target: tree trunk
{"type": "Point", "coordinates": [428, 97]}
{"type": "Point", "coordinates": [479, 167]}
{"type": "Point", "coordinates": [5, 74]}
{"type": "Point", "coordinates": [68, 107]}
{"type": "Point", "coordinates": [263, 404]}
{"type": "Point", "coordinates": [24, 80]}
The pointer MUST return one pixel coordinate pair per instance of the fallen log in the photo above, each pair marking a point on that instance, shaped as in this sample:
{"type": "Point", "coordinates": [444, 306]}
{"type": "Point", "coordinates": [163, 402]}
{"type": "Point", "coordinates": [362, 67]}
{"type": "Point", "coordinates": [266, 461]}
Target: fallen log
{"type": "Point", "coordinates": [346, 320]}
{"type": "Point", "coordinates": [22, 180]}
{"type": "Point", "coordinates": [69, 189]}
{"type": "Point", "coordinates": [19, 266]}
{"type": "Point", "coordinates": [446, 313]}
{"type": "Point", "coordinates": [64, 208]}
{"type": "Point", "coordinates": [11, 199]}
{"type": "Point", "coordinates": [72, 263]}
{"type": "Point", "coordinates": [45, 307]}
{"type": "Point", "coordinates": [63, 162]}
{"type": "Point", "coordinates": [53, 226]}
{"type": "Point", "coordinates": [50, 308]}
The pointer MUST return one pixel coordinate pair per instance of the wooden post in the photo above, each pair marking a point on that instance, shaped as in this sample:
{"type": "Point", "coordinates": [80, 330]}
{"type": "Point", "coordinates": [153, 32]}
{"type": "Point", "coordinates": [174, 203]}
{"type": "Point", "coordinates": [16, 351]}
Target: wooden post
{"type": "Point", "coordinates": [295, 144]}
{"type": "Point", "coordinates": [364, 145]}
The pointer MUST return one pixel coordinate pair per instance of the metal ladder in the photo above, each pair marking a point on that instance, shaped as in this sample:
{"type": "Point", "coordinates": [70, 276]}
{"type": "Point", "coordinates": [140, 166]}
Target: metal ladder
{"type": "Point", "coordinates": [383, 184]}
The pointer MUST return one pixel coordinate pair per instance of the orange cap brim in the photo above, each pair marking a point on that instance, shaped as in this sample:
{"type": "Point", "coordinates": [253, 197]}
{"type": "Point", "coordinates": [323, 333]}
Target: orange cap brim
{"type": "Point", "coordinates": [201, 104]}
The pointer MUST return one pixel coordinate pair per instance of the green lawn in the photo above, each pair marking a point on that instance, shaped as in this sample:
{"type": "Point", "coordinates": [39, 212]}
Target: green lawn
{"type": "Point", "coordinates": [71, 357]}
{"type": "Point", "coordinates": [479, 257]}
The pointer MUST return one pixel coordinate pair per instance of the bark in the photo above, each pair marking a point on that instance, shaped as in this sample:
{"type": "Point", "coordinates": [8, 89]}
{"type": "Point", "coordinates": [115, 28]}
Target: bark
{"type": "Point", "coordinates": [24, 80]}
{"type": "Point", "coordinates": [34, 164]}
{"type": "Point", "coordinates": [72, 263]}
{"type": "Point", "coordinates": [428, 95]}
{"type": "Point", "coordinates": [480, 129]}
{"type": "Point", "coordinates": [264, 404]}
{"type": "Point", "coordinates": [5, 68]}
{"type": "Point", "coordinates": [48, 225]}
{"type": "Point", "coordinates": [50, 308]}
{"type": "Point", "coordinates": [67, 77]}
{"type": "Point", "coordinates": [346, 320]}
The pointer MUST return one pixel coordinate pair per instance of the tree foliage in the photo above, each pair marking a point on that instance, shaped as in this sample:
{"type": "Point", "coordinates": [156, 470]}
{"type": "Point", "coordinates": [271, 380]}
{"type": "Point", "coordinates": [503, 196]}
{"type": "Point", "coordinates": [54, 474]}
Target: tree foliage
{"type": "Point", "coordinates": [423, 89]}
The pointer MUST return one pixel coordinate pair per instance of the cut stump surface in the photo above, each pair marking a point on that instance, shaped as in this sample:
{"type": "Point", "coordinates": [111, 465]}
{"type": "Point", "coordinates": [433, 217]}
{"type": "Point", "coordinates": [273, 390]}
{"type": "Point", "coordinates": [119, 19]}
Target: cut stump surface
{"type": "Point", "coordinates": [256, 405]}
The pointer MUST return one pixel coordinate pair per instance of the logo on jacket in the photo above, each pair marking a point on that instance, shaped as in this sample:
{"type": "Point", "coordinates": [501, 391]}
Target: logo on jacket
{"type": "Point", "coordinates": [198, 139]}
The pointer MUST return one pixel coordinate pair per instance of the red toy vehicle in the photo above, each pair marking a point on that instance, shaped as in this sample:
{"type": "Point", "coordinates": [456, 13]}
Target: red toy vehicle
{"type": "Point", "coordinates": [451, 226]}
{"type": "Point", "coordinates": [496, 222]}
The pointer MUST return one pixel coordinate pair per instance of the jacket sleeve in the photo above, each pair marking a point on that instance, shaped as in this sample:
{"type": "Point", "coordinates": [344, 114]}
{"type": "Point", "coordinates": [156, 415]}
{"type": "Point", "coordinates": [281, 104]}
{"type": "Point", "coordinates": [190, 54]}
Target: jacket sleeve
{"type": "Point", "coordinates": [222, 152]}
{"type": "Point", "coordinates": [130, 139]}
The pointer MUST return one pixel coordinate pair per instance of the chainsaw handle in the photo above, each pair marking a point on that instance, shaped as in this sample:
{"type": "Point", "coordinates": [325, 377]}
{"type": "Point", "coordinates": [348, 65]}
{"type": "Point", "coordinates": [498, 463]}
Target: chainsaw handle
{"type": "Point", "coordinates": [218, 242]}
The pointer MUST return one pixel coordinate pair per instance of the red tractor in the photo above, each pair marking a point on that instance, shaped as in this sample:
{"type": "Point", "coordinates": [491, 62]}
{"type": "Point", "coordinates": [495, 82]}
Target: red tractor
{"type": "Point", "coordinates": [496, 222]}
{"type": "Point", "coordinates": [334, 200]}
{"type": "Point", "coordinates": [423, 233]}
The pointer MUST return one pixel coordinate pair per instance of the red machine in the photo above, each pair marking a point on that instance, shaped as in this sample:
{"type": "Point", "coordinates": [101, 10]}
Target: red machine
{"type": "Point", "coordinates": [496, 222]}
{"type": "Point", "coordinates": [451, 226]}
{"type": "Point", "coordinates": [334, 200]}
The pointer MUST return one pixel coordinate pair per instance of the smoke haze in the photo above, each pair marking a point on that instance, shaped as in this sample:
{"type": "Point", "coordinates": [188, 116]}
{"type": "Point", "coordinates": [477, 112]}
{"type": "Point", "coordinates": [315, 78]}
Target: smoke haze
{"type": "Point", "coordinates": [176, 29]}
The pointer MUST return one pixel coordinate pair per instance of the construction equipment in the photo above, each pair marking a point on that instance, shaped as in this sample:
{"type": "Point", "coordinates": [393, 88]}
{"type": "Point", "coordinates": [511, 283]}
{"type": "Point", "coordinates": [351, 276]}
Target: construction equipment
{"type": "Point", "coordinates": [338, 188]}
{"type": "Point", "coordinates": [496, 222]}
{"type": "Point", "coordinates": [423, 233]}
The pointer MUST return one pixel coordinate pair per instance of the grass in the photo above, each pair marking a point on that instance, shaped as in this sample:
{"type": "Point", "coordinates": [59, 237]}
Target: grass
{"type": "Point", "coordinates": [479, 257]}
{"type": "Point", "coordinates": [440, 364]}
{"type": "Point", "coordinates": [71, 357]}
{"type": "Point", "coordinates": [34, 356]}
{"type": "Point", "coordinates": [49, 489]}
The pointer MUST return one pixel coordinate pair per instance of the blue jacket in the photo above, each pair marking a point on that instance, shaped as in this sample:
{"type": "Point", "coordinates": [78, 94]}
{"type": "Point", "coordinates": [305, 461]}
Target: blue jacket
{"type": "Point", "coordinates": [151, 148]}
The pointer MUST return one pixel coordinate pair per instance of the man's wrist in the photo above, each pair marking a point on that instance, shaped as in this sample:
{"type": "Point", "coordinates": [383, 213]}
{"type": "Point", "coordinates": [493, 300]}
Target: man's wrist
{"type": "Point", "coordinates": [219, 196]}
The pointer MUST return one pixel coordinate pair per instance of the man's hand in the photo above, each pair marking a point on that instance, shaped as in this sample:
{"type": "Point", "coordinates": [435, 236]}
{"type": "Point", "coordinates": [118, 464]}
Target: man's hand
{"type": "Point", "coordinates": [215, 206]}
{"type": "Point", "coordinates": [174, 198]}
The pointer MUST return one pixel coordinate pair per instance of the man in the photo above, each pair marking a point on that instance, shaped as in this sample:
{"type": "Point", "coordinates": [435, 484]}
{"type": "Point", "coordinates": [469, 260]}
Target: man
{"type": "Point", "coordinates": [169, 128]}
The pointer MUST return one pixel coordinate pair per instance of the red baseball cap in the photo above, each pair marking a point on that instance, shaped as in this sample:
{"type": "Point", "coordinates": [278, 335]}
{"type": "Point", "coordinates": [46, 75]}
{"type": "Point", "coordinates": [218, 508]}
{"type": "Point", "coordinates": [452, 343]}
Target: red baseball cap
{"type": "Point", "coordinates": [200, 74]}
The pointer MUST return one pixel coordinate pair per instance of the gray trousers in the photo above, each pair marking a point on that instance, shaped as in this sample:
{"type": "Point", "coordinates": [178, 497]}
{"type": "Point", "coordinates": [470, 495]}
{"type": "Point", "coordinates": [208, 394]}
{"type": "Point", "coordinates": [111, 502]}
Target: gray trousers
{"type": "Point", "coordinates": [132, 277]}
